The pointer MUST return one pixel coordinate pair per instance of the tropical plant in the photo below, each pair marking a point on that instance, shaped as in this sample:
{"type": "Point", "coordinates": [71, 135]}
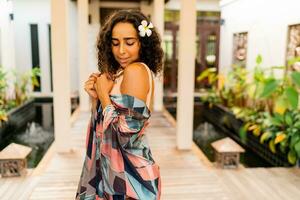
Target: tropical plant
{"type": "Point", "coordinates": [3, 87]}
{"type": "Point", "coordinates": [230, 94]}
{"type": "Point", "coordinates": [211, 94]}
{"type": "Point", "coordinates": [21, 90]}
{"type": "Point", "coordinates": [283, 130]}
{"type": "Point", "coordinates": [268, 104]}
{"type": "Point", "coordinates": [234, 90]}
{"type": "Point", "coordinates": [276, 94]}
{"type": "Point", "coordinates": [24, 83]}
{"type": "Point", "coordinates": [278, 123]}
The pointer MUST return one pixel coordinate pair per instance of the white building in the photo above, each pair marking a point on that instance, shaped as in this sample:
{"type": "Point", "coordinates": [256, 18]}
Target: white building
{"type": "Point", "coordinates": [59, 36]}
{"type": "Point", "coordinates": [265, 25]}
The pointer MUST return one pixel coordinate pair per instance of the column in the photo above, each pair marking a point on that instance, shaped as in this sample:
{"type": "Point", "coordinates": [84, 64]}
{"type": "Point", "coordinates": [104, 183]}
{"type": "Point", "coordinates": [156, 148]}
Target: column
{"type": "Point", "coordinates": [186, 74]}
{"type": "Point", "coordinates": [94, 7]}
{"type": "Point", "coordinates": [83, 52]}
{"type": "Point", "coordinates": [93, 30]}
{"type": "Point", "coordinates": [158, 21]}
{"type": "Point", "coordinates": [61, 72]}
{"type": "Point", "coordinates": [7, 42]}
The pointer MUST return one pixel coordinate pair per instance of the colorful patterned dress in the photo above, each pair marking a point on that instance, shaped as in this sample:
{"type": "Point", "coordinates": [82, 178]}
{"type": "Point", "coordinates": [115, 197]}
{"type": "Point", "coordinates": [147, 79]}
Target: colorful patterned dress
{"type": "Point", "coordinates": [118, 161]}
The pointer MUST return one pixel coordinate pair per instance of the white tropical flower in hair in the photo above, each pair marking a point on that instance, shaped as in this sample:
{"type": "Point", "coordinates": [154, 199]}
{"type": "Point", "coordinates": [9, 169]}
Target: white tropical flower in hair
{"type": "Point", "coordinates": [144, 28]}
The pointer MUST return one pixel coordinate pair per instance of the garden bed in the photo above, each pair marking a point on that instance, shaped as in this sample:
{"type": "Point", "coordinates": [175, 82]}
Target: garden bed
{"type": "Point", "coordinates": [31, 125]}
{"type": "Point", "coordinates": [225, 120]}
{"type": "Point", "coordinates": [18, 117]}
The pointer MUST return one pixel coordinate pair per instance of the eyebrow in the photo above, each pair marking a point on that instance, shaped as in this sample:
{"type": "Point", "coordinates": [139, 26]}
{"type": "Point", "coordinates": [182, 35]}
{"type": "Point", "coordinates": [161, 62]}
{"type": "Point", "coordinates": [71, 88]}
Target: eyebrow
{"type": "Point", "coordinates": [127, 38]}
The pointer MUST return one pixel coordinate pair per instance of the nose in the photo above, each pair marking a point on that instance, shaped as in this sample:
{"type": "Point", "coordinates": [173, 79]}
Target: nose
{"type": "Point", "coordinates": [122, 49]}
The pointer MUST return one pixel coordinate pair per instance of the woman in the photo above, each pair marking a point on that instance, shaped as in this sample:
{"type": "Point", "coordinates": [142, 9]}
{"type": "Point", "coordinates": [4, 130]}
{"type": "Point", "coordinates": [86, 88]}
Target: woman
{"type": "Point", "coordinates": [118, 163]}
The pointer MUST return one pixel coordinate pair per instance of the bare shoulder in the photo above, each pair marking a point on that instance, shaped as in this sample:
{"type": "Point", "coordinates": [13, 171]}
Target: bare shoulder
{"type": "Point", "coordinates": [135, 68]}
{"type": "Point", "coordinates": [135, 81]}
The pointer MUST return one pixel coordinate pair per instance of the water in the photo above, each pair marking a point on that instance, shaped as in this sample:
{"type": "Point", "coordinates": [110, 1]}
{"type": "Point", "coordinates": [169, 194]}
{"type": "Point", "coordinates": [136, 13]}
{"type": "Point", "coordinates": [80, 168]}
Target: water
{"type": "Point", "coordinates": [205, 134]}
{"type": "Point", "coordinates": [38, 133]}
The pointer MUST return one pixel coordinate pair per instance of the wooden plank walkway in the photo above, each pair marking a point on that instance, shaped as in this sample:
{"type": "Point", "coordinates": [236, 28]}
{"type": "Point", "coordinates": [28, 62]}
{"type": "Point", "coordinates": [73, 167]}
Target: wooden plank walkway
{"type": "Point", "coordinates": [185, 174]}
{"type": "Point", "coordinates": [17, 188]}
{"type": "Point", "coordinates": [261, 183]}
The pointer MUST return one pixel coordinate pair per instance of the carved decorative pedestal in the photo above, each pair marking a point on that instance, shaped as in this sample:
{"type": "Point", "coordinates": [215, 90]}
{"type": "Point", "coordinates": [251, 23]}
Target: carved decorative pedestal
{"type": "Point", "coordinates": [13, 160]}
{"type": "Point", "coordinates": [227, 153]}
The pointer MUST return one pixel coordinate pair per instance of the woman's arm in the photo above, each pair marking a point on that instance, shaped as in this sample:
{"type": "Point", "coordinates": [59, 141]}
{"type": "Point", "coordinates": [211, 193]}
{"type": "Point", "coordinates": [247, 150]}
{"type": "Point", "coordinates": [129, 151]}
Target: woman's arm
{"type": "Point", "coordinates": [89, 88]}
{"type": "Point", "coordinates": [103, 87]}
{"type": "Point", "coordinates": [135, 81]}
{"type": "Point", "coordinates": [135, 84]}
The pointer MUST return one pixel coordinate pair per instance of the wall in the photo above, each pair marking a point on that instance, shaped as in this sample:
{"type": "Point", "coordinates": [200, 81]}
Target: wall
{"type": "Point", "coordinates": [26, 13]}
{"type": "Point", "coordinates": [202, 5]}
{"type": "Point", "coordinates": [39, 12]}
{"type": "Point", "coordinates": [267, 25]}
{"type": "Point", "coordinates": [74, 61]}
{"type": "Point", "coordinates": [7, 54]}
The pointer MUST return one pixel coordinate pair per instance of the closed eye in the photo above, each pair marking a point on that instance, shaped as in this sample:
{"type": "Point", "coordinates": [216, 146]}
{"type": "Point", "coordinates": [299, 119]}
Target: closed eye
{"type": "Point", "coordinates": [130, 43]}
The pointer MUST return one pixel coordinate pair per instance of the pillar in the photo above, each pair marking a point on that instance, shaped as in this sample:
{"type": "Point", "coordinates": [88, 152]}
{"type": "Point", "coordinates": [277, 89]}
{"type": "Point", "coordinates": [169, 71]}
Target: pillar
{"type": "Point", "coordinates": [61, 72]}
{"type": "Point", "coordinates": [158, 21]}
{"type": "Point", "coordinates": [83, 52]}
{"type": "Point", "coordinates": [186, 74]}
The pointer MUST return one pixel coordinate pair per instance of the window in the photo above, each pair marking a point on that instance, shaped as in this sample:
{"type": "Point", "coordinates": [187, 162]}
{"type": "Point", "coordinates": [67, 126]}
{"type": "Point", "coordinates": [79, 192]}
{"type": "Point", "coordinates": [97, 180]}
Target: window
{"type": "Point", "coordinates": [35, 51]}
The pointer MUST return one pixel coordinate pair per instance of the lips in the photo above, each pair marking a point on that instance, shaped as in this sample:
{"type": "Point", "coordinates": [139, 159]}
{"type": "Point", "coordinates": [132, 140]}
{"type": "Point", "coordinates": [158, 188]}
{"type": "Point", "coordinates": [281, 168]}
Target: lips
{"type": "Point", "coordinates": [123, 60]}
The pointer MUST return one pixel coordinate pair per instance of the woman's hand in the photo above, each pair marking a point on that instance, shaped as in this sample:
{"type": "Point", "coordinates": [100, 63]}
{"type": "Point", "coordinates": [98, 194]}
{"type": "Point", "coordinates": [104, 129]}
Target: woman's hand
{"type": "Point", "coordinates": [89, 85]}
{"type": "Point", "coordinates": [103, 86]}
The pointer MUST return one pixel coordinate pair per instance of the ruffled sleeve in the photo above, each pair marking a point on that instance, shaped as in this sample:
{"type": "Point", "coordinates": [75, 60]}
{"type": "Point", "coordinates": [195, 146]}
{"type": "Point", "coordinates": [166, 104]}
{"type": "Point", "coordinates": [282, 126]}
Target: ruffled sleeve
{"type": "Point", "coordinates": [129, 114]}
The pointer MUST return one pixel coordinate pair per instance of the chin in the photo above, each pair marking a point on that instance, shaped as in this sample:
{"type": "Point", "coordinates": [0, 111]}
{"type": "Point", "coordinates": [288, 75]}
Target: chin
{"type": "Point", "coordinates": [124, 65]}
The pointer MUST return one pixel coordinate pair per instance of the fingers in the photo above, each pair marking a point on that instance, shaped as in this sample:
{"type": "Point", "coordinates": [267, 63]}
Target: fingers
{"type": "Point", "coordinates": [98, 83]}
{"type": "Point", "coordinates": [108, 76]}
{"type": "Point", "coordinates": [96, 74]}
{"type": "Point", "coordinates": [93, 94]}
{"type": "Point", "coordinates": [93, 78]}
{"type": "Point", "coordinates": [89, 88]}
{"type": "Point", "coordinates": [89, 85]}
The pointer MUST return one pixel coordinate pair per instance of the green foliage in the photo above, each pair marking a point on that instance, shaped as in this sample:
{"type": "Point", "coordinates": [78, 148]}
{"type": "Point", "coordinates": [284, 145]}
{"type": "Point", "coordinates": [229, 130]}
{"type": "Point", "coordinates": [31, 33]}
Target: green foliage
{"type": "Point", "coordinates": [3, 87]}
{"type": "Point", "coordinates": [268, 105]}
{"type": "Point", "coordinates": [211, 95]}
{"type": "Point", "coordinates": [296, 78]}
{"type": "Point", "coordinates": [292, 96]}
{"type": "Point", "coordinates": [270, 86]}
{"type": "Point", "coordinates": [22, 84]}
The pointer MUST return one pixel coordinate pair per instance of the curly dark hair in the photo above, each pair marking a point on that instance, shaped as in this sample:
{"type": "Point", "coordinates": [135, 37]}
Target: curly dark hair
{"type": "Point", "coordinates": [150, 52]}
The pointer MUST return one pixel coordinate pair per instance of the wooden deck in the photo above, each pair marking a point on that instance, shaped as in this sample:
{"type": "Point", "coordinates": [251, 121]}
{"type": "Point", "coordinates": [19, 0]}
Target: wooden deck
{"type": "Point", "coordinates": [261, 183]}
{"type": "Point", "coordinates": [185, 174]}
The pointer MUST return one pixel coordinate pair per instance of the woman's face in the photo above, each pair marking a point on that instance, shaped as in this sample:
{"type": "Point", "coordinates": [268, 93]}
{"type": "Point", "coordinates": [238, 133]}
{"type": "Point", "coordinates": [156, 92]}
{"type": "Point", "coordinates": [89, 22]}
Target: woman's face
{"type": "Point", "coordinates": [125, 43]}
